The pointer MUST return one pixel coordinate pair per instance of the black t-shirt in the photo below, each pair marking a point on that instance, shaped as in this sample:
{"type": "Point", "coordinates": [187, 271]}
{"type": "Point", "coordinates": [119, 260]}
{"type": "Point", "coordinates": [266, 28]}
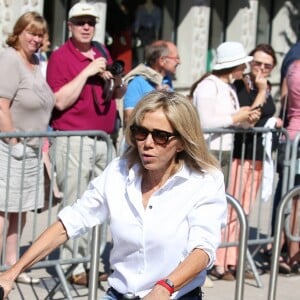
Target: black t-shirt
{"type": "Point", "coordinates": [246, 98]}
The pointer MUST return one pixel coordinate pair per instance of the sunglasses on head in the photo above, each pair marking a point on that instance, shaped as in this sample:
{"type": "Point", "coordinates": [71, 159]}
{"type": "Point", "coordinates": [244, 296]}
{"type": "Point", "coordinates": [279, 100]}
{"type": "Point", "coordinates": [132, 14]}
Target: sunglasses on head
{"type": "Point", "coordinates": [160, 137]}
{"type": "Point", "coordinates": [82, 22]}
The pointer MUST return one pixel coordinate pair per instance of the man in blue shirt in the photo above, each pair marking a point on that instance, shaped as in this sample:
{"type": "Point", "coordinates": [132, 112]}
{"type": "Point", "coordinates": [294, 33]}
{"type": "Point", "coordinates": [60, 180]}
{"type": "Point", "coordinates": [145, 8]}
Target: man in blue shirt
{"type": "Point", "coordinates": [161, 61]}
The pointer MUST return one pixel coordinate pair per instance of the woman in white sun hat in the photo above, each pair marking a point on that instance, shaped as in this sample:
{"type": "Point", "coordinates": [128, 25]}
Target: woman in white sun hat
{"type": "Point", "coordinates": [217, 102]}
{"type": "Point", "coordinates": [218, 106]}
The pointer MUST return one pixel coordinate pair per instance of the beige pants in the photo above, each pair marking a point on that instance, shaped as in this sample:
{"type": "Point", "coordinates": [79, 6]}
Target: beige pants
{"type": "Point", "coordinates": [76, 161]}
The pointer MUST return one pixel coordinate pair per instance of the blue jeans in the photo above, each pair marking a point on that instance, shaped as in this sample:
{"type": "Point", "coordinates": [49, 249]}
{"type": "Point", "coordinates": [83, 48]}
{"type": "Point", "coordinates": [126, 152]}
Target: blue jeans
{"type": "Point", "coordinates": [111, 296]}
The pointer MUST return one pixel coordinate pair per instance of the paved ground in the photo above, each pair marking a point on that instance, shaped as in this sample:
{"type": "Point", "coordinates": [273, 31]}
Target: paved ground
{"type": "Point", "coordinates": [288, 288]}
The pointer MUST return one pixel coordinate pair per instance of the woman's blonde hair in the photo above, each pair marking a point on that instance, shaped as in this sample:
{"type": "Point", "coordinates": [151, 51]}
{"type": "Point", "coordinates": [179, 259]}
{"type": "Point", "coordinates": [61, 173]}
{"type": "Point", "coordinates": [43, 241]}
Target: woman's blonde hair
{"type": "Point", "coordinates": [37, 24]}
{"type": "Point", "coordinates": [184, 120]}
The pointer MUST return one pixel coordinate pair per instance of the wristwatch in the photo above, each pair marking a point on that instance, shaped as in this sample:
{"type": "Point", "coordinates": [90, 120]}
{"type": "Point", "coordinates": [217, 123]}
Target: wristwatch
{"type": "Point", "coordinates": [168, 284]}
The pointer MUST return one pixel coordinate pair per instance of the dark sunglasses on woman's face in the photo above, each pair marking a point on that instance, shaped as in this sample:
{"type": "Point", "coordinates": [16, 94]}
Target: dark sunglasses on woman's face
{"type": "Point", "coordinates": [160, 137]}
{"type": "Point", "coordinates": [82, 22]}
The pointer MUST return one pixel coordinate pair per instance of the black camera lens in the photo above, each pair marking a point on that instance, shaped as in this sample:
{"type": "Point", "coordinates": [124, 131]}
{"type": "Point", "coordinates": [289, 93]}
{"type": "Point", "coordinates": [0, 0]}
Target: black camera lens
{"type": "Point", "coordinates": [116, 68]}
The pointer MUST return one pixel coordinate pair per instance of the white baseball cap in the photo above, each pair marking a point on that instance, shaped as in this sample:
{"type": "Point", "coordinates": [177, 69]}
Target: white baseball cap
{"type": "Point", "coordinates": [231, 54]}
{"type": "Point", "coordinates": [82, 9]}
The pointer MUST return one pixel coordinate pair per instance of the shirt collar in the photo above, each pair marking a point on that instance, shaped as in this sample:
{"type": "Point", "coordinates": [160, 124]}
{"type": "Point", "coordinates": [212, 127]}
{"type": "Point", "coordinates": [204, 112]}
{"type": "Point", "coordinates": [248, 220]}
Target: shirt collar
{"type": "Point", "coordinates": [183, 174]}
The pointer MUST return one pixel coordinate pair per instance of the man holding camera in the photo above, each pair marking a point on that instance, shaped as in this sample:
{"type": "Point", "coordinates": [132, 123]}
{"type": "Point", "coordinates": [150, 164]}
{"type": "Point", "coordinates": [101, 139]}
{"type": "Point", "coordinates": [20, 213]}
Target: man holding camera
{"type": "Point", "coordinates": [77, 73]}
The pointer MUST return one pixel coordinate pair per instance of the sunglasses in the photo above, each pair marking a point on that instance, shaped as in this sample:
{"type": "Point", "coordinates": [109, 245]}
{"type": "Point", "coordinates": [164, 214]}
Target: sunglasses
{"type": "Point", "coordinates": [177, 58]}
{"type": "Point", "coordinates": [91, 23]}
{"type": "Point", "coordinates": [160, 137]}
{"type": "Point", "coordinates": [256, 63]}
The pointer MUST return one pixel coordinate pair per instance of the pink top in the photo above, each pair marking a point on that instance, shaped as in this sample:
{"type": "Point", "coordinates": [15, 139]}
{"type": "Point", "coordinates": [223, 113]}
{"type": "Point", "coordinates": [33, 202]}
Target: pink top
{"type": "Point", "coordinates": [216, 102]}
{"type": "Point", "coordinates": [293, 104]}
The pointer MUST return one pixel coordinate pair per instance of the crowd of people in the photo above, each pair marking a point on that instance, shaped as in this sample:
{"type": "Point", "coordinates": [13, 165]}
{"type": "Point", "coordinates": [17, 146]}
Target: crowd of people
{"type": "Point", "coordinates": [167, 164]}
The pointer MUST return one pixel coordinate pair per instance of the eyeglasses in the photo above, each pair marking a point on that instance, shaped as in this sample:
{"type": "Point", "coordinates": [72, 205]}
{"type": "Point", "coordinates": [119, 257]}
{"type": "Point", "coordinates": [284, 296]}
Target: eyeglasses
{"type": "Point", "coordinates": [160, 137]}
{"type": "Point", "coordinates": [256, 63]}
{"type": "Point", "coordinates": [172, 57]}
{"type": "Point", "coordinates": [91, 23]}
{"type": "Point", "coordinates": [33, 34]}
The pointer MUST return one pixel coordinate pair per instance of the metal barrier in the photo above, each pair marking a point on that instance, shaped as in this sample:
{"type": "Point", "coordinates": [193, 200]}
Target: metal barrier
{"type": "Point", "coordinates": [258, 210]}
{"type": "Point", "coordinates": [280, 215]}
{"type": "Point", "coordinates": [98, 235]}
{"type": "Point", "coordinates": [239, 286]}
{"type": "Point", "coordinates": [98, 238]}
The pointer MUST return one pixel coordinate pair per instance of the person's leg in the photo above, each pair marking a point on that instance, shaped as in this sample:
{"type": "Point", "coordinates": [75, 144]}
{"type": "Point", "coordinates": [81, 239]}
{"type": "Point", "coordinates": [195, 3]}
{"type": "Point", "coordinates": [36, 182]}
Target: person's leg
{"type": "Point", "coordinates": [253, 176]}
{"type": "Point", "coordinates": [12, 237]}
{"type": "Point", "coordinates": [71, 159]}
{"type": "Point", "coordinates": [293, 247]}
{"type": "Point", "coordinates": [2, 226]}
{"type": "Point", "coordinates": [97, 166]}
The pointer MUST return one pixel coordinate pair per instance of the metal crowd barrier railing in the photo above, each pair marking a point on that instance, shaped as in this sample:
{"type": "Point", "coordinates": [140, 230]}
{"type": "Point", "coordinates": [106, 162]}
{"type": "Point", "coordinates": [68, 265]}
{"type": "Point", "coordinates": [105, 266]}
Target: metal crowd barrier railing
{"type": "Point", "coordinates": [287, 206]}
{"type": "Point", "coordinates": [243, 235]}
{"type": "Point", "coordinates": [284, 212]}
{"type": "Point", "coordinates": [256, 219]}
{"type": "Point", "coordinates": [280, 217]}
{"type": "Point", "coordinates": [39, 221]}
{"type": "Point", "coordinates": [259, 210]}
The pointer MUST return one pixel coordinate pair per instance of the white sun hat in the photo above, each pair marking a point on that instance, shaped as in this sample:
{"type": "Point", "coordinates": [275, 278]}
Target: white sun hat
{"type": "Point", "coordinates": [230, 54]}
{"type": "Point", "coordinates": [82, 9]}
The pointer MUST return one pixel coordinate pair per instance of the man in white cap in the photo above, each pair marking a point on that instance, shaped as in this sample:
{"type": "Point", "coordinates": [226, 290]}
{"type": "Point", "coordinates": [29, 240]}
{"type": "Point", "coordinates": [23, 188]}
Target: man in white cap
{"type": "Point", "coordinates": [77, 74]}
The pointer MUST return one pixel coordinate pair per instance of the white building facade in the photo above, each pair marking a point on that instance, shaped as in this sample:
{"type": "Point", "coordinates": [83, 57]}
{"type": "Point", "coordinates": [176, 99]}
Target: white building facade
{"type": "Point", "coordinates": [196, 26]}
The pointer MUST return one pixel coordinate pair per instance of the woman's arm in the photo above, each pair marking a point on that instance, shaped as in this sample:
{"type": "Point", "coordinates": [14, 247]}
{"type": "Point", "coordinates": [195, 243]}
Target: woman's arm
{"type": "Point", "coordinates": [49, 240]}
{"type": "Point", "coordinates": [182, 275]}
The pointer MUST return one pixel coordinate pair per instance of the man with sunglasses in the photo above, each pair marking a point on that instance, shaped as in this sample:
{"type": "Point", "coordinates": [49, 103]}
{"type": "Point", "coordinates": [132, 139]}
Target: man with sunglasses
{"type": "Point", "coordinates": [161, 61]}
{"type": "Point", "coordinates": [77, 72]}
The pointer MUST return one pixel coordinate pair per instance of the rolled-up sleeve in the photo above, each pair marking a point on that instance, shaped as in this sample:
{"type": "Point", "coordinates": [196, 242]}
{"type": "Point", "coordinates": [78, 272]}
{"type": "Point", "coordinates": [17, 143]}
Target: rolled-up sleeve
{"type": "Point", "coordinates": [88, 211]}
{"type": "Point", "coordinates": [208, 217]}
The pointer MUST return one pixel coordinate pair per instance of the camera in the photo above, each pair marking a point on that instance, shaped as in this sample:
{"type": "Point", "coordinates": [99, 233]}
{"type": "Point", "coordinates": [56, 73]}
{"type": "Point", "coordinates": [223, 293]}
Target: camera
{"type": "Point", "coordinates": [116, 68]}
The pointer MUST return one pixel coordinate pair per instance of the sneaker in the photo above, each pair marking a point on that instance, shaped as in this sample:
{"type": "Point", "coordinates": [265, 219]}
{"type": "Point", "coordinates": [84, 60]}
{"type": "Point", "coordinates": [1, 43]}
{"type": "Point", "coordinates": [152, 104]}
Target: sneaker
{"type": "Point", "coordinates": [25, 278]}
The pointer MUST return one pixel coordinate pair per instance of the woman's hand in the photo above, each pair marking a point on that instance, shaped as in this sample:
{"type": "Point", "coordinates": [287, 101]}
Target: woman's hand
{"type": "Point", "coordinates": [254, 116]}
{"type": "Point", "coordinates": [242, 115]}
{"type": "Point", "coordinates": [6, 285]}
{"type": "Point", "coordinates": [279, 123]}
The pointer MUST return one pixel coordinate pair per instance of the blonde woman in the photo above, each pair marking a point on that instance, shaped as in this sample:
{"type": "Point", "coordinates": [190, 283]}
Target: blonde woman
{"type": "Point", "coordinates": [165, 199]}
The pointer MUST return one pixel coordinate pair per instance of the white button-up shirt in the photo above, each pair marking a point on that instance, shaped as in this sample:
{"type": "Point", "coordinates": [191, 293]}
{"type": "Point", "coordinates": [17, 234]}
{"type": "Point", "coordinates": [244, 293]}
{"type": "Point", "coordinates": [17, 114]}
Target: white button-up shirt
{"type": "Point", "coordinates": [148, 244]}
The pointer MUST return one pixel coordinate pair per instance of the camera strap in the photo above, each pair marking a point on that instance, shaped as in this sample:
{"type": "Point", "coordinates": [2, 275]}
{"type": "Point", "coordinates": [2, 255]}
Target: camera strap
{"type": "Point", "coordinates": [100, 47]}
{"type": "Point", "coordinates": [108, 86]}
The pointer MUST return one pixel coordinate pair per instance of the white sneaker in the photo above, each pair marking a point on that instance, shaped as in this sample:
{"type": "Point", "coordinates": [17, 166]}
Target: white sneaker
{"type": "Point", "coordinates": [25, 278]}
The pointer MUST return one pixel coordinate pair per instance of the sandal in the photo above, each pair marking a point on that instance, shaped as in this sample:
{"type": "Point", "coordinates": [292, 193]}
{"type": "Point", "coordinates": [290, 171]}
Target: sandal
{"type": "Point", "coordinates": [295, 268]}
{"type": "Point", "coordinates": [284, 268]}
